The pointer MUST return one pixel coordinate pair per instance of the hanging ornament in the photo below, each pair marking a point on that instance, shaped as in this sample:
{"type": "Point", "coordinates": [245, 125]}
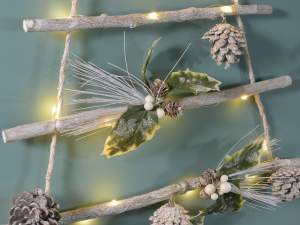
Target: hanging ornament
{"type": "Point", "coordinates": [227, 42]}
{"type": "Point", "coordinates": [286, 183]}
{"type": "Point", "coordinates": [170, 214]}
{"type": "Point", "coordinates": [34, 208]}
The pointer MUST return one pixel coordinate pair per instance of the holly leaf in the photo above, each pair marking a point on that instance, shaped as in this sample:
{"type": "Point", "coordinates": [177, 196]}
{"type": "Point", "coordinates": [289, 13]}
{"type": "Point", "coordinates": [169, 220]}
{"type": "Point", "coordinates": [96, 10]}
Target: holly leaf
{"type": "Point", "coordinates": [132, 129]}
{"type": "Point", "coordinates": [147, 62]}
{"type": "Point", "coordinates": [187, 82]}
{"type": "Point", "coordinates": [249, 156]}
{"type": "Point", "coordinates": [227, 202]}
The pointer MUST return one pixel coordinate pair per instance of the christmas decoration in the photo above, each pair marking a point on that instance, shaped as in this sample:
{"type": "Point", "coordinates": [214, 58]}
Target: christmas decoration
{"type": "Point", "coordinates": [170, 214]}
{"type": "Point", "coordinates": [242, 177]}
{"type": "Point", "coordinates": [227, 43]}
{"type": "Point", "coordinates": [286, 183]}
{"type": "Point", "coordinates": [34, 208]}
{"type": "Point", "coordinates": [147, 101]}
{"type": "Point", "coordinates": [159, 89]}
{"type": "Point", "coordinates": [174, 109]}
{"type": "Point", "coordinates": [249, 175]}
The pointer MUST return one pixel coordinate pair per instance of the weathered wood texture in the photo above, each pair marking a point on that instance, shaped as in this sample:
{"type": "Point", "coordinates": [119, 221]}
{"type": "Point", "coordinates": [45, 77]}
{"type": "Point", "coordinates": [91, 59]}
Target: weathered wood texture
{"type": "Point", "coordinates": [139, 19]}
{"type": "Point", "coordinates": [103, 117]}
{"type": "Point", "coordinates": [140, 201]}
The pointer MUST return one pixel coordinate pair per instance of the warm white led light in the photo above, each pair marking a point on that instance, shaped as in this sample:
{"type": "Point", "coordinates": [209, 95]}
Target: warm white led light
{"type": "Point", "coordinates": [244, 97]}
{"type": "Point", "coordinates": [152, 16]}
{"type": "Point", "coordinates": [226, 9]}
{"type": "Point", "coordinates": [264, 145]}
{"type": "Point", "coordinates": [54, 110]}
{"type": "Point", "coordinates": [114, 202]}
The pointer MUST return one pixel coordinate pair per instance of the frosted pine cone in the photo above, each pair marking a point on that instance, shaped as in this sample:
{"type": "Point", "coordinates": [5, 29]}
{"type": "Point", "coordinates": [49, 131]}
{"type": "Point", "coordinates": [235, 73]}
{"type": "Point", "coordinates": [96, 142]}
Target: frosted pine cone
{"type": "Point", "coordinates": [173, 109]}
{"type": "Point", "coordinates": [170, 214]}
{"type": "Point", "coordinates": [207, 177]}
{"type": "Point", "coordinates": [159, 89]}
{"type": "Point", "coordinates": [227, 42]}
{"type": "Point", "coordinates": [286, 183]}
{"type": "Point", "coordinates": [34, 208]}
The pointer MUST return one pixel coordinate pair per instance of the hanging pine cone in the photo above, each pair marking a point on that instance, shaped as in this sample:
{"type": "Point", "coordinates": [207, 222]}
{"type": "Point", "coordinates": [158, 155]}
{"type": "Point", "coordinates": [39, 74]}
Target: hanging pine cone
{"type": "Point", "coordinates": [286, 183]}
{"type": "Point", "coordinates": [159, 88]}
{"type": "Point", "coordinates": [170, 214]}
{"type": "Point", "coordinates": [173, 109]}
{"type": "Point", "coordinates": [34, 208]}
{"type": "Point", "coordinates": [227, 42]}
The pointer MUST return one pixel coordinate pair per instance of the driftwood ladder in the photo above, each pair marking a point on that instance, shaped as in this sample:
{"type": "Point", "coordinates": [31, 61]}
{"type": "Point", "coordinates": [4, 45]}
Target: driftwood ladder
{"type": "Point", "coordinates": [62, 124]}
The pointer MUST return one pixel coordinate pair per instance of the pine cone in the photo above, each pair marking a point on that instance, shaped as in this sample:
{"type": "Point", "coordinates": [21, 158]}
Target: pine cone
{"type": "Point", "coordinates": [34, 208]}
{"type": "Point", "coordinates": [170, 215]}
{"type": "Point", "coordinates": [173, 109]}
{"type": "Point", "coordinates": [227, 42]}
{"type": "Point", "coordinates": [286, 183]}
{"type": "Point", "coordinates": [159, 89]}
{"type": "Point", "coordinates": [209, 176]}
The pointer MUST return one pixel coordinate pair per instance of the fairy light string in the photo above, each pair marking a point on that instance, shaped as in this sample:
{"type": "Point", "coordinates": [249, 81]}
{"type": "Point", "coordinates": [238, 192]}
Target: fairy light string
{"type": "Point", "coordinates": [251, 74]}
{"type": "Point", "coordinates": [59, 104]}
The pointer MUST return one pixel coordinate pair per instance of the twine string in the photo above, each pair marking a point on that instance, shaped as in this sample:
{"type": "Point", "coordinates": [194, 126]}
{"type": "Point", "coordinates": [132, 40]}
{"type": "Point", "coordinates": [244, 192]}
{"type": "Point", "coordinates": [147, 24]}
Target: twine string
{"type": "Point", "coordinates": [251, 75]}
{"type": "Point", "coordinates": [61, 81]}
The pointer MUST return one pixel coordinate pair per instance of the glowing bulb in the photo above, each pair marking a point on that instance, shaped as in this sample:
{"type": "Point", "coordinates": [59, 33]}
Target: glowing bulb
{"type": "Point", "coordinates": [114, 202]}
{"type": "Point", "coordinates": [152, 16]}
{"type": "Point", "coordinates": [58, 12]}
{"type": "Point", "coordinates": [264, 145]}
{"type": "Point", "coordinates": [226, 9]}
{"type": "Point", "coordinates": [244, 97]}
{"type": "Point", "coordinates": [87, 222]}
{"type": "Point", "coordinates": [54, 110]}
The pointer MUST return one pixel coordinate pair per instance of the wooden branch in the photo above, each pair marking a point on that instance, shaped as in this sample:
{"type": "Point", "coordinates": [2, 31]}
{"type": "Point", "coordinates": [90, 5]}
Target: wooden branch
{"type": "Point", "coordinates": [140, 201]}
{"type": "Point", "coordinates": [104, 116]}
{"type": "Point", "coordinates": [232, 93]}
{"type": "Point", "coordinates": [139, 19]}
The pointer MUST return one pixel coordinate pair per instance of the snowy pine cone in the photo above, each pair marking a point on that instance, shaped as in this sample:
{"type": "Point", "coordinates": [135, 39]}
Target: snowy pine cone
{"type": "Point", "coordinates": [169, 214]}
{"type": "Point", "coordinates": [34, 208]}
{"type": "Point", "coordinates": [159, 89]}
{"type": "Point", "coordinates": [209, 176]}
{"type": "Point", "coordinates": [173, 109]}
{"type": "Point", "coordinates": [227, 43]}
{"type": "Point", "coordinates": [286, 183]}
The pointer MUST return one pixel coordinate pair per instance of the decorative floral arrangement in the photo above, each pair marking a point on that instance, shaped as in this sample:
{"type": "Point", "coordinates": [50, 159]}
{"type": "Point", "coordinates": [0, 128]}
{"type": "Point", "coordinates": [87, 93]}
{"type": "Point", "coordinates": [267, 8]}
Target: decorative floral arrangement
{"type": "Point", "coordinates": [243, 177]}
{"type": "Point", "coordinates": [147, 100]}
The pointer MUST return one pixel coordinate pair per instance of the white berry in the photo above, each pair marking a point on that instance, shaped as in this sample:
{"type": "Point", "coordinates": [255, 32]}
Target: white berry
{"type": "Point", "coordinates": [160, 113]}
{"type": "Point", "coordinates": [214, 196]}
{"type": "Point", "coordinates": [224, 178]}
{"type": "Point", "coordinates": [225, 187]}
{"type": "Point", "coordinates": [149, 98]}
{"type": "Point", "coordinates": [210, 189]}
{"type": "Point", "coordinates": [148, 106]}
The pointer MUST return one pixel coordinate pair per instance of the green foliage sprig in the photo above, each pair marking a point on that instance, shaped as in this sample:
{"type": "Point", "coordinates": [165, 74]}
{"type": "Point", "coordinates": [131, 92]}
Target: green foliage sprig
{"type": "Point", "coordinates": [140, 123]}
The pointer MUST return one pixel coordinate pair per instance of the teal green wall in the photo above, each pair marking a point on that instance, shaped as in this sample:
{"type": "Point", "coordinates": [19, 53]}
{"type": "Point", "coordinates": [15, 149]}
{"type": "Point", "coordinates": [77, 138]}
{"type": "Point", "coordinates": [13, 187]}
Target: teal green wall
{"type": "Point", "coordinates": [29, 69]}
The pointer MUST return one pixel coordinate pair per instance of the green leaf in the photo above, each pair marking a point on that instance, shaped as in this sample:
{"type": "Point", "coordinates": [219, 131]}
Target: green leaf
{"type": "Point", "coordinates": [251, 155]}
{"type": "Point", "coordinates": [227, 202]}
{"type": "Point", "coordinates": [132, 129]}
{"type": "Point", "coordinates": [147, 61]}
{"type": "Point", "coordinates": [187, 82]}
